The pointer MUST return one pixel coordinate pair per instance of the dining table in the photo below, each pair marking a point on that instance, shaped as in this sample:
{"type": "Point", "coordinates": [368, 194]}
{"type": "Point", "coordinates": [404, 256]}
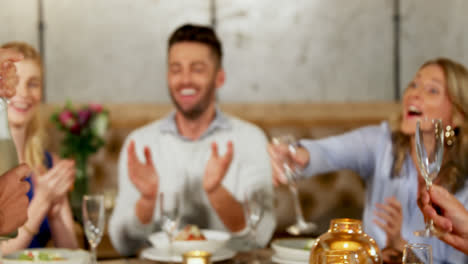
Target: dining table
{"type": "Point", "coordinates": [246, 257]}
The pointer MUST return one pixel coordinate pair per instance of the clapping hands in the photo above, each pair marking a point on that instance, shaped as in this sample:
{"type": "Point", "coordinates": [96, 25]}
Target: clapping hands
{"type": "Point", "coordinates": [217, 167]}
{"type": "Point", "coordinates": [54, 184]}
{"type": "Point", "coordinates": [143, 174]}
{"type": "Point", "coordinates": [390, 218]}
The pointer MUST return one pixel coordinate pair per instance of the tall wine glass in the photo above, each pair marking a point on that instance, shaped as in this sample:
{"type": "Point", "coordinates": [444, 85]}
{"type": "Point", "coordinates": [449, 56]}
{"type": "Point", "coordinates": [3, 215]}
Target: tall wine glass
{"type": "Point", "coordinates": [429, 139]}
{"type": "Point", "coordinates": [93, 221]}
{"type": "Point", "coordinates": [292, 172]}
{"type": "Point", "coordinates": [254, 208]}
{"type": "Point", "coordinates": [255, 203]}
{"type": "Point", "coordinates": [417, 253]}
{"type": "Point", "coordinates": [169, 211]}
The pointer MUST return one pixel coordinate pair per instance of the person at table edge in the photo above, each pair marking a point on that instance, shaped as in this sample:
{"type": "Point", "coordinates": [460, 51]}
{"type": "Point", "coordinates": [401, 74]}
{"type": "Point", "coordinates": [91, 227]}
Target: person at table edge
{"type": "Point", "coordinates": [385, 157]}
{"type": "Point", "coordinates": [218, 155]}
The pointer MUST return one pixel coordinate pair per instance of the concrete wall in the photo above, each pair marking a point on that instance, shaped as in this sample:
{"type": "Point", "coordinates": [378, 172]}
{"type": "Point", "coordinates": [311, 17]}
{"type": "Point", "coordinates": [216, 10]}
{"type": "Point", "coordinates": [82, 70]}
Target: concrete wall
{"type": "Point", "coordinates": [112, 50]}
{"type": "Point", "coordinates": [433, 29]}
{"type": "Point", "coordinates": [276, 51]}
{"type": "Point", "coordinates": [18, 21]}
{"type": "Point", "coordinates": [310, 50]}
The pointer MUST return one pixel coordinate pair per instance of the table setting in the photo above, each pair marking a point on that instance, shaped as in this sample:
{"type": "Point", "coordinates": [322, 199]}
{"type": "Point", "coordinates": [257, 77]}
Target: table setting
{"type": "Point", "coordinates": [188, 244]}
{"type": "Point", "coordinates": [45, 255]}
{"type": "Point", "coordinates": [214, 242]}
{"type": "Point", "coordinates": [292, 250]}
{"type": "Point", "coordinates": [174, 246]}
{"type": "Point", "coordinates": [93, 225]}
{"type": "Point", "coordinates": [344, 242]}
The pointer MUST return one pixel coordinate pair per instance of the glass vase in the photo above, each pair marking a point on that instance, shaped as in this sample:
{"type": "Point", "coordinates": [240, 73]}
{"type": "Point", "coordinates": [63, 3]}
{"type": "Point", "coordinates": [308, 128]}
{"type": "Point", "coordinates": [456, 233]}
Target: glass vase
{"type": "Point", "coordinates": [80, 188]}
{"type": "Point", "coordinates": [347, 234]}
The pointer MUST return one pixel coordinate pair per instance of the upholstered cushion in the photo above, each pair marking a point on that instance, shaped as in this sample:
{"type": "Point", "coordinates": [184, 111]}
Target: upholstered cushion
{"type": "Point", "coordinates": [338, 194]}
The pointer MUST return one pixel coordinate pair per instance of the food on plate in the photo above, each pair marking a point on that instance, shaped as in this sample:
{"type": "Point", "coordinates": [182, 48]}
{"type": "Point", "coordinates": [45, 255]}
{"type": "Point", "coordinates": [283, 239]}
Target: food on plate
{"type": "Point", "coordinates": [189, 233]}
{"type": "Point", "coordinates": [32, 255]}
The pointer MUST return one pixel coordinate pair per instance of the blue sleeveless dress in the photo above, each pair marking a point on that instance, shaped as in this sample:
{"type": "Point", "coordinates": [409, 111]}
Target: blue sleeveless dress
{"type": "Point", "coordinates": [43, 236]}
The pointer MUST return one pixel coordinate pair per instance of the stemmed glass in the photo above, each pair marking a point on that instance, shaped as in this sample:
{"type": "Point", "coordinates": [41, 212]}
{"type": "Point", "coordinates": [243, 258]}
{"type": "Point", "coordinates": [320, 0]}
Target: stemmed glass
{"type": "Point", "coordinates": [417, 253]}
{"type": "Point", "coordinates": [169, 211]}
{"type": "Point", "coordinates": [429, 139]}
{"type": "Point", "coordinates": [293, 173]}
{"type": "Point", "coordinates": [254, 208]}
{"type": "Point", "coordinates": [93, 221]}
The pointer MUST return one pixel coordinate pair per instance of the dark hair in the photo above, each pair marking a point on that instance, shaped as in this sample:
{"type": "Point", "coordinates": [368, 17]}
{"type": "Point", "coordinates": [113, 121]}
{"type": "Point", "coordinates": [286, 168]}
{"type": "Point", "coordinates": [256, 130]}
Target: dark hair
{"type": "Point", "coordinates": [201, 34]}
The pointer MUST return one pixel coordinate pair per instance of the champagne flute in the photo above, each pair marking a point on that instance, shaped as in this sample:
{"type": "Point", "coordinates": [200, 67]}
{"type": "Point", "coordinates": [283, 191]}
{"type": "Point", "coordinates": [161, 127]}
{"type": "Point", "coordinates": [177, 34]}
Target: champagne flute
{"type": "Point", "coordinates": [169, 211]}
{"type": "Point", "coordinates": [429, 139]}
{"type": "Point", "coordinates": [93, 221]}
{"type": "Point", "coordinates": [417, 254]}
{"type": "Point", "coordinates": [293, 173]}
{"type": "Point", "coordinates": [254, 208]}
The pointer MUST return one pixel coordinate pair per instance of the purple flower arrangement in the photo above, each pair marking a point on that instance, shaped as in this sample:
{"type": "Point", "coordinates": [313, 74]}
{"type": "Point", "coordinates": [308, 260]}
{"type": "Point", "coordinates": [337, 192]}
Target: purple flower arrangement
{"type": "Point", "coordinates": [84, 129]}
{"type": "Point", "coordinates": [83, 134]}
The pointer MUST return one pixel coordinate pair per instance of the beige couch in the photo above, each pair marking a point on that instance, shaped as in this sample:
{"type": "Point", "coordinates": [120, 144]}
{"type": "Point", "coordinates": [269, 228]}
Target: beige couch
{"type": "Point", "coordinates": [338, 194]}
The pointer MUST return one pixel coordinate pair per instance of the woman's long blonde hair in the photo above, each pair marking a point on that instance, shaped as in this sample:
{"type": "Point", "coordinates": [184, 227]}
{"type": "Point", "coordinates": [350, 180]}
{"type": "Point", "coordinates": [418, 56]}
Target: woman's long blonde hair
{"type": "Point", "coordinates": [455, 166]}
{"type": "Point", "coordinates": [34, 147]}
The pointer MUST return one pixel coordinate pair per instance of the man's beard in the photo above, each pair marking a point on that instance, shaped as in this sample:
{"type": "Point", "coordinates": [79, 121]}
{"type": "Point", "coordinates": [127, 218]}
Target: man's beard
{"type": "Point", "coordinates": [200, 107]}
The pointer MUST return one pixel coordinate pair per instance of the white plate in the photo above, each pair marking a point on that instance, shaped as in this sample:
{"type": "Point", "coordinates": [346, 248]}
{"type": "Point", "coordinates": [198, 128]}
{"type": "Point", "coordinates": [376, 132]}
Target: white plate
{"type": "Point", "coordinates": [292, 248]}
{"type": "Point", "coordinates": [275, 258]}
{"type": "Point", "coordinates": [71, 256]}
{"type": "Point", "coordinates": [215, 240]}
{"type": "Point", "coordinates": [163, 255]}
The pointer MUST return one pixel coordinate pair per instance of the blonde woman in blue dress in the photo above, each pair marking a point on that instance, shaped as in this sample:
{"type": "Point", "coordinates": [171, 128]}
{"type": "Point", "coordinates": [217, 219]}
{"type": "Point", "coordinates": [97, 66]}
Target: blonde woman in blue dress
{"type": "Point", "coordinates": [49, 214]}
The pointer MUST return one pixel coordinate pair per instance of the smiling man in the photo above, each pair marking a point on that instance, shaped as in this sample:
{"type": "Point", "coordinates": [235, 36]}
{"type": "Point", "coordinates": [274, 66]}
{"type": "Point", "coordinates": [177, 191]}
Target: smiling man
{"type": "Point", "coordinates": [206, 156]}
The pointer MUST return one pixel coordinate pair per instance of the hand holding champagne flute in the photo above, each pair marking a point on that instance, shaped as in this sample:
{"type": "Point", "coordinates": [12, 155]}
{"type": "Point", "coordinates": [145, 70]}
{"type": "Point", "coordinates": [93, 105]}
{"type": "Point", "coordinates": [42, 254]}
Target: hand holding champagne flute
{"type": "Point", "coordinates": [9, 160]}
{"type": "Point", "coordinates": [284, 149]}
